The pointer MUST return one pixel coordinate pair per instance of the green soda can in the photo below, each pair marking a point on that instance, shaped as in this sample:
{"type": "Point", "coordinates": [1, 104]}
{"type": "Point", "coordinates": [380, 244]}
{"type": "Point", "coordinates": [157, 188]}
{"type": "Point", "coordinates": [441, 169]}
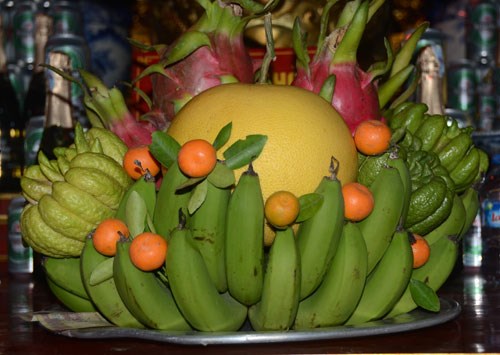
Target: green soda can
{"type": "Point", "coordinates": [20, 257]}
{"type": "Point", "coordinates": [23, 23]}
{"type": "Point", "coordinates": [462, 87]}
{"type": "Point", "coordinates": [481, 32]}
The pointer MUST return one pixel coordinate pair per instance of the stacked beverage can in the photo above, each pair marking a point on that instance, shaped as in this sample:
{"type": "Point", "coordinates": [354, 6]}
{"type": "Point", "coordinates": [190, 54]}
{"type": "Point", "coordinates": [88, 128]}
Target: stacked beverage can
{"type": "Point", "coordinates": [23, 23]}
{"type": "Point", "coordinates": [20, 257]}
{"type": "Point", "coordinates": [481, 32]}
{"type": "Point", "coordinates": [462, 88]}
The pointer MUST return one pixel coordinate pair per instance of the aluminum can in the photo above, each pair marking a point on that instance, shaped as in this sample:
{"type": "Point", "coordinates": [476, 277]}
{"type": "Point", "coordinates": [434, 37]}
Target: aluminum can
{"type": "Point", "coordinates": [481, 32]}
{"type": "Point", "coordinates": [23, 23]}
{"type": "Point", "coordinates": [34, 132]}
{"type": "Point", "coordinates": [462, 87]}
{"type": "Point", "coordinates": [20, 257]}
{"type": "Point", "coordinates": [491, 231]}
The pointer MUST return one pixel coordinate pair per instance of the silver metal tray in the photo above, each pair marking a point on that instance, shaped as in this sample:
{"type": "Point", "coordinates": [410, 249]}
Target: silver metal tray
{"type": "Point", "coordinates": [416, 319]}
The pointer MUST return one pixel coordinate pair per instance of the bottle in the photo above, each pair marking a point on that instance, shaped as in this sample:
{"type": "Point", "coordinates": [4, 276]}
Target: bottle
{"type": "Point", "coordinates": [11, 151]}
{"type": "Point", "coordinates": [430, 90]}
{"type": "Point", "coordinates": [58, 130]}
{"type": "Point", "coordinates": [490, 210]}
{"type": "Point", "coordinates": [34, 107]}
{"type": "Point", "coordinates": [67, 37]}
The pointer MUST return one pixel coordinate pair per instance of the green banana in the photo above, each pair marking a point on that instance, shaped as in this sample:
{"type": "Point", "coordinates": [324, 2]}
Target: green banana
{"type": "Point", "coordinates": [146, 188]}
{"type": "Point", "coordinates": [65, 272]}
{"type": "Point", "coordinates": [379, 227]}
{"type": "Point", "coordinates": [245, 239]}
{"type": "Point", "coordinates": [146, 297]}
{"type": "Point", "coordinates": [397, 162]}
{"type": "Point", "coordinates": [338, 295]}
{"type": "Point", "coordinates": [452, 226]}
{"type": "Point", "coordinates": [208, 224]}
{"type": "Point", "coordinates": [281, 290]}
{"type": "Point", "coordinates": [387, 282]}
{"type": "Point", "coordinates": [98, 184]}
{"type": "Point", "coordinates": [104, 295]}
{"type": "Point", "coordinates": [318, 237]}
{"type": "Point", "coordinates": [169, 201]}
{"type": "Point", "coordinates": [470, 200]}
{"type": "Point", "coordinates": [444, 254]}
{"type": "Point", "coordinates": [70, 300]}
{"type": "Point", "coordinates": [194, 292]}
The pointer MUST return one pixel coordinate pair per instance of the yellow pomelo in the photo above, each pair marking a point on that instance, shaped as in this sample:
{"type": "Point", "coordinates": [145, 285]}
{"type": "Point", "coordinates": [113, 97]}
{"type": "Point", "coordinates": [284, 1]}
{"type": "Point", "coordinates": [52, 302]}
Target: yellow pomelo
{"type": "Point", "coordinates": [303, 131]}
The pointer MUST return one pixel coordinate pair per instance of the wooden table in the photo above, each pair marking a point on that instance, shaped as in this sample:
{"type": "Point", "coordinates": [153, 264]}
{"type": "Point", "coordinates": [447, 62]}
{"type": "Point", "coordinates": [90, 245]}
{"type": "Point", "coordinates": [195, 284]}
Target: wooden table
{"type": "Point", "coordinates": [476, 329]}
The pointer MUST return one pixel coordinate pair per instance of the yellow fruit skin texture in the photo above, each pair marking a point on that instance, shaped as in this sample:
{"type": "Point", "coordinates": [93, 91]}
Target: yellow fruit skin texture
{"type": "Point", "coordinates": [303, 130]}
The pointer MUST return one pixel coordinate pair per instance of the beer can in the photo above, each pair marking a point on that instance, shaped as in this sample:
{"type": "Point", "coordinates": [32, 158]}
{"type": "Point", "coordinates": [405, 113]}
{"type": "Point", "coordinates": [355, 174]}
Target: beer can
{"type": "Point", "coordinates": [23, 23]}
{"type": "Point", "coordinates": [34, 132]}
{"type": "Point", "coordinates": [487, 113]}
{"type": "Point", "coordinates": [462, 87]}
{"type": "Point", "coordinates": [481, 32]}
{"type": "Point", "coordinates": [20, 257]}
{"type": "Point", "coordinates": [473, 244]}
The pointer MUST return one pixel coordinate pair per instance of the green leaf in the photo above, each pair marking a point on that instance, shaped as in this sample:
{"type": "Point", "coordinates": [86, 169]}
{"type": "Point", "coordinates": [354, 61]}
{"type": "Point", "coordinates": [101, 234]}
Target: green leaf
{"type": "Point", "coordinates": [243, 151]}
{"type": "Point", "coordinates": [135, 214]}
{"type": "Point", "coordinates": [102, 272]}
{"type": "Point", "coordinates": [198, 196]}
{"type": "Point", "coordinates": [424, 296]}
{"type": "Point", "coordinates": [309, 205]}
{"type": "Point", "coordinates": [223, 136]}
{"type": "Point", "coordinates": [189, 182]}
{"type": "Point", "coordinates": [221, 176]}
{"type": "Point", "coordinates": [164, 148]}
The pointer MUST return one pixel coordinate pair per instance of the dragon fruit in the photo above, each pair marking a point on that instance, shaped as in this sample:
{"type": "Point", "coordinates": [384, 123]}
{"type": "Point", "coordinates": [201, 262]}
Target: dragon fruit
{"type": "Point", "coordinates": [355, 92]}
{"type": "Point", "coordinates": [212, 52]}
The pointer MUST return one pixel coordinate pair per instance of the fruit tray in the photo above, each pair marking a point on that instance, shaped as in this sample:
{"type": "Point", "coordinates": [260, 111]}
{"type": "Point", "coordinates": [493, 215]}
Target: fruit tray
{"type": "Point", "coordinates": [416, 319]}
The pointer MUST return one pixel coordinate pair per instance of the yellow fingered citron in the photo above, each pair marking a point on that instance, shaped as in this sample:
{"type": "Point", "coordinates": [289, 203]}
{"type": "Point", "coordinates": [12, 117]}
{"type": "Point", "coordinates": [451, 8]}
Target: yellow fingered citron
{"type": "Point", "coordinates": [303, 131]}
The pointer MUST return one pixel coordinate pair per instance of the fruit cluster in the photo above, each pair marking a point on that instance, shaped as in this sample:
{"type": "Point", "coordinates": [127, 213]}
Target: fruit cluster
{"type": "Point", "coordinates": [325, 267]}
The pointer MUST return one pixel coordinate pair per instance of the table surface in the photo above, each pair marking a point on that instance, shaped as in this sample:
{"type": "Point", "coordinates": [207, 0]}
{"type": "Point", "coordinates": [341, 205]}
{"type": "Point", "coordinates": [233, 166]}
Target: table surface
{"type": "Point", "coordinates": [476, 329]}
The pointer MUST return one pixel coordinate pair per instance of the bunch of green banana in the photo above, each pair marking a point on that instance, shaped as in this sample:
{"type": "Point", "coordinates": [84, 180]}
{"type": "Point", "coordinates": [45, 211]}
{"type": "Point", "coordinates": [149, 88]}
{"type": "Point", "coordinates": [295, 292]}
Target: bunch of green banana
{"type": "Point", "coordinates": [441, 135]}
{"type": "Point", "coordinates": [64, 280]}
{"type": "Point", "coordinates": [70, 195]}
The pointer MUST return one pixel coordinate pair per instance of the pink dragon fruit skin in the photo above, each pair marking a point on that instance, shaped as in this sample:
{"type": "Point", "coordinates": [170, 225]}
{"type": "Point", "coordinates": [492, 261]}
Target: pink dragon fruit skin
{"type": "Point", "coordinates": [221, 58]}
{"type": "Point", "coordinates": [355, 95]}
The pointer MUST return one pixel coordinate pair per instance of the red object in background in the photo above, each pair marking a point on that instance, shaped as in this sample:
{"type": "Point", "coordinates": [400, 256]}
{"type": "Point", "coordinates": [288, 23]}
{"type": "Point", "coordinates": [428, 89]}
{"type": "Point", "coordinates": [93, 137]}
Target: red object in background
{"type": "Point", "coordinates": [282, 69]}
{"type": "Point", "coordinates": [140, 60]}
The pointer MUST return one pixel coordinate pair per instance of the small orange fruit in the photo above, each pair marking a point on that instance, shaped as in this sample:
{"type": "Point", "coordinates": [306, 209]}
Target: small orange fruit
{"type": "Point", "coordinates": [372, 137]}
{"type": "Point", "coordinates": [281, 209]}
{"type": "Point", "coordinates": [358, 201]}
{"type": "Point", "coordinates": [148, 251]}
{"type": "Point", "coordinates": [139, 160]}
{"type": "Point", "coordinates": [197, 158]}
{"type": "Point", "coordinates": [107, 233]}
{"type": "Point", "coordinates": [421, 250]}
